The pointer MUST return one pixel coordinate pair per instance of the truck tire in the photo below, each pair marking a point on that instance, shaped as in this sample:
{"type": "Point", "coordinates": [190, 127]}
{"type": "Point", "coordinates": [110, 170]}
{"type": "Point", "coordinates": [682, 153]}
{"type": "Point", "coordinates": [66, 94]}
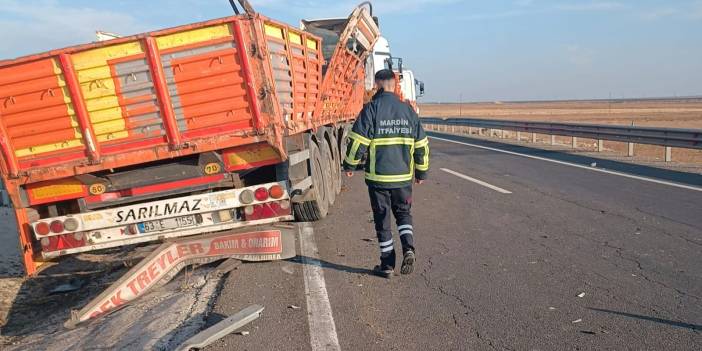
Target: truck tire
{"type": "Point", "coordinates": [316, 209]}
{"type": "Point", "coordinates": [336, 164]}
{"type": "Point", "coordinates": [329, 174]}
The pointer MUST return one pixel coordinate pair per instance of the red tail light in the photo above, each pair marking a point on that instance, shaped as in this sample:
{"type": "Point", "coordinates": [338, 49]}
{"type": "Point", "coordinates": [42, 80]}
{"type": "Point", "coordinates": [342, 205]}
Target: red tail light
{"type": "Point", "coordinates": [42, 228]}
{"type": "Point", "coordinates": [56, 226]}
{"type": "Point", "coordinates": [261, 194]}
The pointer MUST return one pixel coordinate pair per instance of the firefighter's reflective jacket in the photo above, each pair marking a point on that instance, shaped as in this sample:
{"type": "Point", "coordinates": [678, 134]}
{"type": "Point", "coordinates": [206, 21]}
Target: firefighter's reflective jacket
{"type": "Point", "coordinates": [388, 135]}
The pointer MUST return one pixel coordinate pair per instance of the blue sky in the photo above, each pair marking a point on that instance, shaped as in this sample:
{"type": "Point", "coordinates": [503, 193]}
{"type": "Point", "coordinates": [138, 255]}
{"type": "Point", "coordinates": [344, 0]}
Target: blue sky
{"type": "Point", "coordinates": [477, 50]}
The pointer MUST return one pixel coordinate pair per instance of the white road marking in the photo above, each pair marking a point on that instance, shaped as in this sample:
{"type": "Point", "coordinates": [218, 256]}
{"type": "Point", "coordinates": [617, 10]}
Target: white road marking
{"type": "Point", "coordinates": [319, 313]}
{"type": "Point", "coordinates": [621, 174]}
{"type": "Point", "coordinates": [477, 181]}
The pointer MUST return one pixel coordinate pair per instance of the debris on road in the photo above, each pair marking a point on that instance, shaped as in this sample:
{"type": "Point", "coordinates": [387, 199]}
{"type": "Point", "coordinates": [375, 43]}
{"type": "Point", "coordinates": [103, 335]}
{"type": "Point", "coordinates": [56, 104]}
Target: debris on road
{"type": "Point", "coordinates": [594, 164]}
{"type": "Point", "coordinates": [577, 321]}
{"type": "Point", "coordinates": [582, 294]}
{"type": "Point", "coordinates": [223, 328]}
{"type": "Point", "coordinates": [294, 307]}
{"type": "Point", "coordinates": [166, 261]}
{"type": "Point", "coordinates": [72, 285]}
{"type": "Point", "coordinates": [244, 333]}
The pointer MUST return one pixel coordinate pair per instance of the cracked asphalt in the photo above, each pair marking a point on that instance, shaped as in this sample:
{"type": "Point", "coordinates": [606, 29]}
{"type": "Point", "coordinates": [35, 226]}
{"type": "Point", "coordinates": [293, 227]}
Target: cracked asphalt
{"type": "Point", "coordinates": [570, 260]}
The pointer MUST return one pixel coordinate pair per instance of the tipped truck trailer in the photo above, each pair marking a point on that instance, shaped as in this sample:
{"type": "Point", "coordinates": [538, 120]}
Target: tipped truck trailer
{"type": "Point", "coordinates": [228, 123]}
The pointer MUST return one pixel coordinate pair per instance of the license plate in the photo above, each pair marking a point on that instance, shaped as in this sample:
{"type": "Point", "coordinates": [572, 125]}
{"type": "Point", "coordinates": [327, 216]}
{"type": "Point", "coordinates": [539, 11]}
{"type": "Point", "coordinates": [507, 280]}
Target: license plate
{"type": "Point", "coordinates": [168, 223]}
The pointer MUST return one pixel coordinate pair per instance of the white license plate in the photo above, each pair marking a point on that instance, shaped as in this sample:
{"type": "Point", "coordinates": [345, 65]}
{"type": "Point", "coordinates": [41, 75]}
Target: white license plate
{"type": "Point", "coordinates": [168, 223]}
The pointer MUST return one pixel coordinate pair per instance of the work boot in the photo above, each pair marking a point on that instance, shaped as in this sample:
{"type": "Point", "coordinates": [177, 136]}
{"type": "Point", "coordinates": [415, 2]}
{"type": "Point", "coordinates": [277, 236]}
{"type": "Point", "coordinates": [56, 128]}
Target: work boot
{"type": "Point", "coordinates": [407, 262]}
{"type": "Point", "coordinates": [383, 271]}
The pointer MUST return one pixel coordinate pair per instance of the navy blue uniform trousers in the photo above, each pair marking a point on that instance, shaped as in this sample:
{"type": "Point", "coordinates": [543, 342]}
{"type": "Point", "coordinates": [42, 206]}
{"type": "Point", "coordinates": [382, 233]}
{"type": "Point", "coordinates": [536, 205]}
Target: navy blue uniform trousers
{"type": "Point", "coordinates": [386, 203]}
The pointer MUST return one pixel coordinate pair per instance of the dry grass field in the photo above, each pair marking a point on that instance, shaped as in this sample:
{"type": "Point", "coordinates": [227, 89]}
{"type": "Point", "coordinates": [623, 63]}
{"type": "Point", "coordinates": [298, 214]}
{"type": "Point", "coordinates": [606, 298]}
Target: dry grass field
{"type": "Point", "coordinates": [679, 113]}
{"type": "Point", "coordinates": [658, 113]}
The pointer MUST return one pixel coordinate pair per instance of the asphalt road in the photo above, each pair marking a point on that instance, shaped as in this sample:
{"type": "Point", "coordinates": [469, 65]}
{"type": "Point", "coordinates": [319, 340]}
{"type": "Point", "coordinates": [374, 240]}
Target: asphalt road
{"type": "Point", "coordinates": [549, 257]}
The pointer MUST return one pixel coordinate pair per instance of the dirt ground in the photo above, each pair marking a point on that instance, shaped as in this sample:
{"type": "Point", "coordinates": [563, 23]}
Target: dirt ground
{"type": "Point", "coordinates": [674, 113]}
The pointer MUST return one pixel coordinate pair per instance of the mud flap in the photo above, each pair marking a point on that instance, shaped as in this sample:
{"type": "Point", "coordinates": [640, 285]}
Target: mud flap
{"type": "Point", "coordinates": [267, 244]}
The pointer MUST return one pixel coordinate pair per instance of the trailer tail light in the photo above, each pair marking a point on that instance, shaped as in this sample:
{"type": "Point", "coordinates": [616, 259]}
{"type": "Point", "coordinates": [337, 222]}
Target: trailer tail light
{"type": "Point", "coordinates": [267, 210]}
{"type": "Point", "coordinates": [56, 227]}
{"type": "Point", "coordinates": [70, 224]}
{"type": "Point", "coordinates": [246, 197]}
{"type": "Point", "coordinates": [63, 242]}
{"type": "Point", "coordinates": [42, 228]}
{"type": "Point", "coordinates": [261, 194]}
{"type": "Point", "coordinates": [276, 191]}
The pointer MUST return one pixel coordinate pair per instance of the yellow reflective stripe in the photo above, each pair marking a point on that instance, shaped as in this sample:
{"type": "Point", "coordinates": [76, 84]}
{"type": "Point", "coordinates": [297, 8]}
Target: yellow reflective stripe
{"type": "Point", "coordinates": [425, 160]}
{"type": "Point", "coordinates": [393, 141]}
{"type": "Point", "coordinates": [371, 168]}
{"type": "Point", "coordinates": [389, 178]}
{"type": "Point", "coordinates": [351, 155]}
{"type": "Point", "coordinates": [370, 175]}
{"type": "Point", "coordinates": [361, 139]}
{"type": "Point", "coordinates": [422, 143]}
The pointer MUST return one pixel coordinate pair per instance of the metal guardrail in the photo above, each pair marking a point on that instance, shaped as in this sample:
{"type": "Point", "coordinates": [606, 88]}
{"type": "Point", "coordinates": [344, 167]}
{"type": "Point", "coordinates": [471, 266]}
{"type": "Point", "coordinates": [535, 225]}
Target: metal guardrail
{"type": "Point", "coordinates": [667, 137]}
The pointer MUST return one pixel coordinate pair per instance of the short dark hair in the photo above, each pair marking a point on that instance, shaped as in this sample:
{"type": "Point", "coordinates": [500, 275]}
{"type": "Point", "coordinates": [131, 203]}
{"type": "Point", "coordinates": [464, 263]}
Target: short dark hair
{"type": "Point", "coordinates": [384, 74]}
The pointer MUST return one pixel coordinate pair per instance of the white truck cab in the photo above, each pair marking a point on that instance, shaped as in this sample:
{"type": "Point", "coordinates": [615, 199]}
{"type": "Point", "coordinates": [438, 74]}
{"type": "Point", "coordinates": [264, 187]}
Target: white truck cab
{"type": "Point", "coordinates": [410, 87]}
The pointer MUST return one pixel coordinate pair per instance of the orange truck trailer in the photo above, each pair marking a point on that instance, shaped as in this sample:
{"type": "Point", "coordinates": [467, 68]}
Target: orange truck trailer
{"type": "Point", "coordinates": [228, 123]}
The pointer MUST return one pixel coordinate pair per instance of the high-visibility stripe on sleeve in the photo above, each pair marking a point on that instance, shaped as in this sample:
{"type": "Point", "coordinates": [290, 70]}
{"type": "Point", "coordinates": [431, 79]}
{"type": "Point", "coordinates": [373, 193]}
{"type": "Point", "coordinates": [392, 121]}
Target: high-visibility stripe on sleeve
{"type": "Point", "coordinates": [424, 166]}
{"type": "Point", "coordinates": [421, 143]}
{"type": "Point", "coordinates": [351, 156]}
{"type": "Point", "coordinates": [358, 137]}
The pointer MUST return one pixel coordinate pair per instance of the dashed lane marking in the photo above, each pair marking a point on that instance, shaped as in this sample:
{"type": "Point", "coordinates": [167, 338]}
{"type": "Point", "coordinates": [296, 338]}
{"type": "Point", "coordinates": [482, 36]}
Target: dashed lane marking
{"type": "Point", "coordinates": [477, 181]}
{"type": "Point", "coordinates": [319, 313]}
{"type": "Point", "coordinates": [621, 174]}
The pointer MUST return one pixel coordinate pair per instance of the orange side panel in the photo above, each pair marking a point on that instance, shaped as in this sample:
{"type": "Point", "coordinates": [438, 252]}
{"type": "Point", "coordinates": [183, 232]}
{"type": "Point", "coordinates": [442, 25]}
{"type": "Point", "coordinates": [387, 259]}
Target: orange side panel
{"type": "Point", "coordinates": [36, 110]}
{"type": "Point", "coordinates": [207, 86]}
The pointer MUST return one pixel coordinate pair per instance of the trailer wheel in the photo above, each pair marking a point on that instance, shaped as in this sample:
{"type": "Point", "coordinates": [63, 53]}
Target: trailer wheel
{"type": "Point", "coordinates": [328, 174]}
{"type": "Point", "coordinates": [316, 209]}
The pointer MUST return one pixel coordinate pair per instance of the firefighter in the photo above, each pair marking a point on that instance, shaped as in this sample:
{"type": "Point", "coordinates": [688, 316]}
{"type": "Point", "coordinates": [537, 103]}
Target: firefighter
{"type": "Point", "coordinates": [391, 140]}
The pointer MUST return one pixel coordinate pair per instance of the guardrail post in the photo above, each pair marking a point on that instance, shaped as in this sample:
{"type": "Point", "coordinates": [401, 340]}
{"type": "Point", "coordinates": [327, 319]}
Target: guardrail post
{"type": "Point", "coordinates": [470, 130]}
{"type": "Point", "coordinates": [553, 139]}
{"type": "Point", "coordinates": [575, 143]}
{"type": "Point", "coordinates": [519, 136]}
{"type": "Point", "coordinates": [600, 145]}
{"type": "Point", "coordinates": [533, 138]}
{"type": "Point", "coordinates": [630, 149]}
{"type": "Point", "coordinates": [668, 154]}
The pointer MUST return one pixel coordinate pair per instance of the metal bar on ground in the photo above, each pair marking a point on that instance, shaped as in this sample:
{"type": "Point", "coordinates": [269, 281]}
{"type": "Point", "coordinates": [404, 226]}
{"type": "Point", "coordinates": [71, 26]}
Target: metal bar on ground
{"type": "Point", "coordinates": [222, 328]}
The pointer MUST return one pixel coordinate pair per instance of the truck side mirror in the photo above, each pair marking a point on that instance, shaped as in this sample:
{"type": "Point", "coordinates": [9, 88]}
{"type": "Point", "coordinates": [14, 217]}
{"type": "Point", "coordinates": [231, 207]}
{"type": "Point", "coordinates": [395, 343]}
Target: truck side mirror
{"type": "Point", "coordinates": [421, 88]}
